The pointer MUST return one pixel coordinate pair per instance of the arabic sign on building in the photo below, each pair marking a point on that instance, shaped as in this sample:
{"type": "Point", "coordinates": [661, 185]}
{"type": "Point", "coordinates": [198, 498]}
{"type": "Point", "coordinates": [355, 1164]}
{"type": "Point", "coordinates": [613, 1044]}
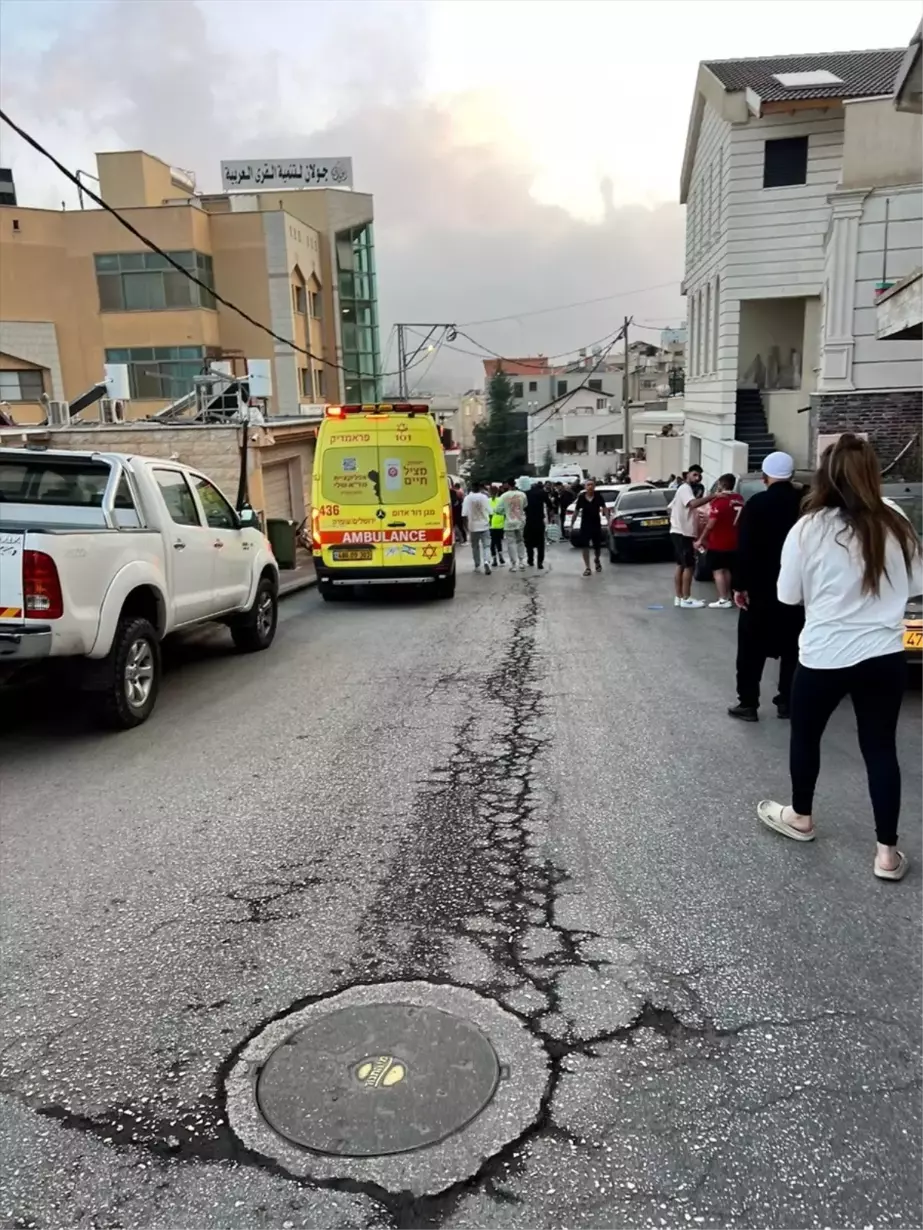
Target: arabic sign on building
{"type": "Point", "coordinates": [287, 173]}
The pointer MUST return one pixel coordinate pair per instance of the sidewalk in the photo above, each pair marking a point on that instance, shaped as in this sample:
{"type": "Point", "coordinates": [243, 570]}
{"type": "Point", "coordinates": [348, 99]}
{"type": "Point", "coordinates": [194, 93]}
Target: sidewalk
{"type": "Point", "coordinates": [294, 580]}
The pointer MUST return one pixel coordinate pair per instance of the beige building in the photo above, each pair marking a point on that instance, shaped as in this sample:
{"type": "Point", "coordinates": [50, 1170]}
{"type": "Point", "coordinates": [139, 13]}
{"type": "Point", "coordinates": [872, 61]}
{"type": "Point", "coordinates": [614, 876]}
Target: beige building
{"type": "Point", "coordinates": [78, 291]}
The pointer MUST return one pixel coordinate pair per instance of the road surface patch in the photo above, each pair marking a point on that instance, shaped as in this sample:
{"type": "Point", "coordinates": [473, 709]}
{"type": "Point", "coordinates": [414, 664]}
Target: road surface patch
{"type": "Point", "coordinates": [408, 1085]}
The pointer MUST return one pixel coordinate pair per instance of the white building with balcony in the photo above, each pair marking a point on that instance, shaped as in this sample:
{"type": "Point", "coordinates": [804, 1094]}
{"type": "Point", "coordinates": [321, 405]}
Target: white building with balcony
{"type": "Point", "coordinates": [803, 194]}
{"type": "Point", "coordinates": [585, 427]}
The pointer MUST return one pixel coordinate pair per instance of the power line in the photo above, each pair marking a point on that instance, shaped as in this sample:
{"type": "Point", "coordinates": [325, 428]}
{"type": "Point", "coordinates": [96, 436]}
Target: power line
{"type": "Point", "coordinates": [149, 243]}
{"type": "Point", "coordinates": [540, 369]}
{"type": "Point", "coordinates": [563, 307]}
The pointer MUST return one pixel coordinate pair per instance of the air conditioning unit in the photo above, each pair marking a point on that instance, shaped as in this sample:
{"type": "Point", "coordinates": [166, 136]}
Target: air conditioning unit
{"type": "Point", "coordinates": [59, 413]}
{"type": "Point", "coordinates": [111, 410]}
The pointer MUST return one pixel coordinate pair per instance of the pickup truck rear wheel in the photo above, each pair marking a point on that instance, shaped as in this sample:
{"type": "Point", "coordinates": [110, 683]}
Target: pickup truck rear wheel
{"type": "Point", "coordinates": [255, 630]}
{"type": "Point", "coordinates": [132, 671]}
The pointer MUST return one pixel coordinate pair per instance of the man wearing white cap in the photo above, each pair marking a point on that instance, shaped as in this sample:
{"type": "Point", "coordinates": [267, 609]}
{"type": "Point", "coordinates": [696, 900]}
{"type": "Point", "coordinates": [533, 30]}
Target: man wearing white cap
{"type": "Point", "coordinates": [766, 628]}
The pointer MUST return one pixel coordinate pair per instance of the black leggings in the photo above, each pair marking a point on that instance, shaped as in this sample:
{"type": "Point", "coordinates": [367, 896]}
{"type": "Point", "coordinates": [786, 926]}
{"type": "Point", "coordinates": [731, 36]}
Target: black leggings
{"type": "Point", "coordinates": [876, 688]}
{"type": "Point", "coordinates": [496, 542]}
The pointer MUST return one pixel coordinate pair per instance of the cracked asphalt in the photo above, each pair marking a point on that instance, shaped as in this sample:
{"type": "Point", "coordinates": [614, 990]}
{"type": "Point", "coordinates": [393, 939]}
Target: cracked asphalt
{"type": "Point", "coordinates": [533, 793]}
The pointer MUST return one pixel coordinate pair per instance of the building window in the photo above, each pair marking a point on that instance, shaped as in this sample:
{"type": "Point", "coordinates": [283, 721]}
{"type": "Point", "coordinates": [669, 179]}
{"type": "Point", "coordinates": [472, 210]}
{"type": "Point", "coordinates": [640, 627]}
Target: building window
{"type": "Point", "coordinates": [24, 385]}
{"type": "Point", "coordinates": [648, 384]}
{"type": "Point", "coordinates": [716, 308]}
{"type": "Point", "coordinates": [602, 403]}
{"type": "Point", "coordinates": [595, 385]}
{"type": "Point", "coordinates": [785, 162]}
{"type": "Point", "coordinates": [609, 444]}
{"type": "Point", "coordinates": [562, 388]}
{"type": "Point", "coordinates": [533, 386]}
{"type": "Point", "coordinates": [162, 372]}
{"type": "Point", "coordinates": [692, 324]}
{"type": "Point", "coordinates": [707, 318]}
{"type": "Point", "coordinates": [517, 388]}
{"type": "Point", "coordinates": [702, 325]}
{"type": "Point", "coordinates": [300, 300]}
{"type": "Point", "coordinates": [307, 387]}
{"type": "Point", "coordinates": [573, 444]}
{"type": "Point", "coordinates": [315, 300]}
{"type": "Point", "coordinates": [146, 282]}
{"type": "Point", "coordinates": [319, 384]}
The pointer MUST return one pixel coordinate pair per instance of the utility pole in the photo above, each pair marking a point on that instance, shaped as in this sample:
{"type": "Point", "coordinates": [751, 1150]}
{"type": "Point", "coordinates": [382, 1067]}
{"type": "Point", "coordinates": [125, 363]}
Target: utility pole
{"type": "Point", "coordinates": [626, 398]}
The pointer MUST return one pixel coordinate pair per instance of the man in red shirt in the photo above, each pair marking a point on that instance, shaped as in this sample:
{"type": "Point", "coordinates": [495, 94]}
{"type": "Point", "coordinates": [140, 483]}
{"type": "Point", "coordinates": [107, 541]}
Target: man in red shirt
{"type": "Point", "coordinates": [720, 537]}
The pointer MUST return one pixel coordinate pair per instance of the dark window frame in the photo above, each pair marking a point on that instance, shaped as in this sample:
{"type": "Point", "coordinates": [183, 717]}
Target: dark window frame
{"type": "Point", "coordinates": [183, 483]}
{"type": "Point", "coordinates": [227, 518]}
{"type": "Point", "coordinates": [35, 378]}
{"type": "Point", "coordinates": [518, 388]}
{"type": "Point", "coordinates": [120, 277]}
{"type": "Point", "coordinates": [785, 162]}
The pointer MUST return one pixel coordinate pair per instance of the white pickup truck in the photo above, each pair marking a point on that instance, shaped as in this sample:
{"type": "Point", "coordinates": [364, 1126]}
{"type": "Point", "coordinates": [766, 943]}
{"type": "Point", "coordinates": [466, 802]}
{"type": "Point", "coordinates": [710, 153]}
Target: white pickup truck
{"type": "Point", "coordinates": [102, 555]}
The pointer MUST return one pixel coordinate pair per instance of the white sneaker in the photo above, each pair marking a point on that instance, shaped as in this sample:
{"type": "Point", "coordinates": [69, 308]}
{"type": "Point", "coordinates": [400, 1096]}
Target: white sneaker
{"type": "Point", "coordinates": [522, 567]}
{"type": "Point", "coordinates": [512, 567]}
{"type": "Point", "coordinates": [691, 604]}
{"type": "Point", "coordinates": [677, 602]}
{"type": "Point", "coordinates": [487, 570]}
{"type": "Point", "coordinates": [721, 605]}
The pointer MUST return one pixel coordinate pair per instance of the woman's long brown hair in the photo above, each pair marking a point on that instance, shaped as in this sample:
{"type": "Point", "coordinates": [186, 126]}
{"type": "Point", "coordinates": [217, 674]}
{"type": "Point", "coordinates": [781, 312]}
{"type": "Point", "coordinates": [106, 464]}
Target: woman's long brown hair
{"type": "Point", "coordinates": [849, 480]}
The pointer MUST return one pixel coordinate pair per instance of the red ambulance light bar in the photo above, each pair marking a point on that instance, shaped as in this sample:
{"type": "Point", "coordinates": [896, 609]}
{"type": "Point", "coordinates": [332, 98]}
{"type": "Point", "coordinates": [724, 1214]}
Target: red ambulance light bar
{"type": "Point", "coordinates": [379, 410]}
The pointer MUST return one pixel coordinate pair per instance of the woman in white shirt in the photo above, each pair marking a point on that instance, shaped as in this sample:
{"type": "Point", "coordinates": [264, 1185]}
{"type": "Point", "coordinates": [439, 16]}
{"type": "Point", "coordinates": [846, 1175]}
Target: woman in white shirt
{"type": "Point", "coordinates": [853, 560]}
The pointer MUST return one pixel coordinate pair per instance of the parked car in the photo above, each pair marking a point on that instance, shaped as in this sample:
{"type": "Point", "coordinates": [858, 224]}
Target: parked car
{"type": "Point", "coordinates": [639, 521]}
{"type": "Point", "coordinates": [104, 554]}
{"type": "Point", "coordinates": [610, 494]}
{"type": "Point", "coordinates": [909, 499]}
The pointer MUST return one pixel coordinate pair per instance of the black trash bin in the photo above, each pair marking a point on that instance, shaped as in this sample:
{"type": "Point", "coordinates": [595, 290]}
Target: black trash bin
{"type": "Point", "coordinates": [281, 535]}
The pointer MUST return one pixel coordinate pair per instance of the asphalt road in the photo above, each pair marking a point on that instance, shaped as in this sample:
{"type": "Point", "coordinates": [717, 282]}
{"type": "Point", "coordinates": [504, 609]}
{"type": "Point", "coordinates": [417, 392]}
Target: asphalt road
{"type": "Point", "coordinates": [532, 792]}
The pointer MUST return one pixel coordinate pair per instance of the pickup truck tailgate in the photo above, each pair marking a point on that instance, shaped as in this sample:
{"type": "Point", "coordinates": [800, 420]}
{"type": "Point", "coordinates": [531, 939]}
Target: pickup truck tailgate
{"type": "Point", "coordinates": [11, 599]}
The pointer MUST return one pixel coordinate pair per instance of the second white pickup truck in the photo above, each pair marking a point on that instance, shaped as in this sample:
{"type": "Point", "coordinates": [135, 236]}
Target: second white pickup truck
{"type": "Point", "coordinates": [102, 555]}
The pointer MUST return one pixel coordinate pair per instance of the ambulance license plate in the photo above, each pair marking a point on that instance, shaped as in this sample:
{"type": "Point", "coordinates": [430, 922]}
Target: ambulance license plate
{"type": "Point", "coordinates": [352, 553]}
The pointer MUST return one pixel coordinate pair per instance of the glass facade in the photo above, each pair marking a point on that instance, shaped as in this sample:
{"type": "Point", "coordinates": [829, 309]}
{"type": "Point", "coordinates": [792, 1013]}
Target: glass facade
{"type": "Point", "coordinates": [356, 278]}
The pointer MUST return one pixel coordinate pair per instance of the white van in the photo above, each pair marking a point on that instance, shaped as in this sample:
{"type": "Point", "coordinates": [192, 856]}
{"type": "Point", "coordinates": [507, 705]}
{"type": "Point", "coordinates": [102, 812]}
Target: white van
{"type": "Point", "coordinates": [572, 474]}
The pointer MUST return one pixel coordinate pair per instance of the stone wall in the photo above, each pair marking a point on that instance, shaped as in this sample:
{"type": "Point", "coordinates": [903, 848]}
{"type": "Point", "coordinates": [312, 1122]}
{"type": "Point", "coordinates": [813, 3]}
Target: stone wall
{"type": "Point", "coordinates": [890, 418]}
{"type": "Point", "coordinates": [211, 449]}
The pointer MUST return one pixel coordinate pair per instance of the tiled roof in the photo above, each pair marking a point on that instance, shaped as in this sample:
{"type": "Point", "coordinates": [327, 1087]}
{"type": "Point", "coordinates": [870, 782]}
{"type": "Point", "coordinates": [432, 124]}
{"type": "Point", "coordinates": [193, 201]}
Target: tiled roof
{"type": "Point", "coordinates": [862, 73]}
{"type": "Point", "coordinates": [537, 366]}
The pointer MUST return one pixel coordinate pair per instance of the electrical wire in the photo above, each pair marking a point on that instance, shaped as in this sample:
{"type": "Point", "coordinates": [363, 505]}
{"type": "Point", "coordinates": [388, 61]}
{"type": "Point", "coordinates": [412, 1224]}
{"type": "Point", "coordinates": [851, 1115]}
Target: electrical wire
{"type": "Point", "coordinates": [153, 247]}
{"type": "Point", "coordinates": [231, 306]}
{"type": "Point", "coordinates": [540, 368]}
{"type": "Point", "coordinates": [552, 405]}
{"type": "Point", "coordinates": [563, 307]}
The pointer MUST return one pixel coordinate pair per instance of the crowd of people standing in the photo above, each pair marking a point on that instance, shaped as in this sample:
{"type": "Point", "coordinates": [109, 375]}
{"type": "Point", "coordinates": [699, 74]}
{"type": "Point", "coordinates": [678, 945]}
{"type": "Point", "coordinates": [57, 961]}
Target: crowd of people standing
{"type": "Point", "coordinates": [820, 578]}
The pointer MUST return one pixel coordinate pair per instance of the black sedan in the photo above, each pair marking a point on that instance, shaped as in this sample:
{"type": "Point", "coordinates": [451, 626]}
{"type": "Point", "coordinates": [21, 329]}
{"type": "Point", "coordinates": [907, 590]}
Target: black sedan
{"type": "Point", "coordinates": [639, 521]}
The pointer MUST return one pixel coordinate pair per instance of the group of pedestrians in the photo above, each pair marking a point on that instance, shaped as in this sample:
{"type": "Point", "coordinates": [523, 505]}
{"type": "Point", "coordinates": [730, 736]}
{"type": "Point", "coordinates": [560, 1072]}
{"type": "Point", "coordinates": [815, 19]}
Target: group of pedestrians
{"type": "Point", "coordinates": [821, 580]}
{"type": "Point", "coordinates": [506, 521]}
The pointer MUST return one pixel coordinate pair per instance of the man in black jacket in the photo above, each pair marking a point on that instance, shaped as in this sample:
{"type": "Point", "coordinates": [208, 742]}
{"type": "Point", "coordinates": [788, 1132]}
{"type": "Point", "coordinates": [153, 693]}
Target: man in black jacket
{"type": "Point", "coordinates": [766, 627]}
{"type": "Point", "coordinates": [538, 506]}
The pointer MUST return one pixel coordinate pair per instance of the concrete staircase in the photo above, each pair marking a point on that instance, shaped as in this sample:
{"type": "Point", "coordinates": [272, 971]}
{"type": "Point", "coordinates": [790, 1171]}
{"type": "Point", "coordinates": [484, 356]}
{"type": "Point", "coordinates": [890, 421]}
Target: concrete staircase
{"type": "Point", "coordinates": [750, 427]}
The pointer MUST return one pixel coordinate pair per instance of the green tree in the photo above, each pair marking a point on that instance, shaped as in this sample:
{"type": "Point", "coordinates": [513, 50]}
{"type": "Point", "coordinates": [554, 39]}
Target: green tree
{"type": "Point", "coordinates": [501, 446]}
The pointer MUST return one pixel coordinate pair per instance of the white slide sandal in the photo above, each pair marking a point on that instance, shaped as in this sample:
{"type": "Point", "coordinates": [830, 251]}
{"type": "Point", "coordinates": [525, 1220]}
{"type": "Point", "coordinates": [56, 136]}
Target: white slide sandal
{"type": "Point", "coordinates": [771, 815]}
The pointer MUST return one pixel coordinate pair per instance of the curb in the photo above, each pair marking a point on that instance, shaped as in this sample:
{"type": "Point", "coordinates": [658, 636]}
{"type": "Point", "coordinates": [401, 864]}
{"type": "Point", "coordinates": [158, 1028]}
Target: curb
{"type": "Point", "coordinates": [296, 586]}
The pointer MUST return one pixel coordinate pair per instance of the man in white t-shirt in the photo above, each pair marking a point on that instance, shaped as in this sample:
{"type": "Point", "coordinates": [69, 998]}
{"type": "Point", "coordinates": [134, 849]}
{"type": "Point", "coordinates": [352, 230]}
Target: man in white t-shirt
{"type": "Point", "coordinates": [683, 535]}
{"type": "Point", "coordinates": [476, 516]}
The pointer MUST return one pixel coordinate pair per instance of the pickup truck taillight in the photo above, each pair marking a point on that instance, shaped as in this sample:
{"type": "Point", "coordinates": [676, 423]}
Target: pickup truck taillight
{"type": "Point", "coordinates": [41, 586]}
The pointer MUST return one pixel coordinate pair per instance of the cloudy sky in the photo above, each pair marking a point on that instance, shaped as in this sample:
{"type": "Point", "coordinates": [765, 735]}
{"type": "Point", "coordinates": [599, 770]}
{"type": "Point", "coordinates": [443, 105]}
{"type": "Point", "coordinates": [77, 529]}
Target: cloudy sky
{"type": "Point", "coordinates": [524, 154]}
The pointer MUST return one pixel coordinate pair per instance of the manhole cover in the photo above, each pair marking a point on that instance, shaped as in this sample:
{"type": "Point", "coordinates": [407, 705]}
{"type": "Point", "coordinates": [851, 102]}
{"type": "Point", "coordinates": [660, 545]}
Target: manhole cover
{"type": "Point", "coordinates": [409, 1085]}
{"type": "Point", "coordinates": [372, 1080]}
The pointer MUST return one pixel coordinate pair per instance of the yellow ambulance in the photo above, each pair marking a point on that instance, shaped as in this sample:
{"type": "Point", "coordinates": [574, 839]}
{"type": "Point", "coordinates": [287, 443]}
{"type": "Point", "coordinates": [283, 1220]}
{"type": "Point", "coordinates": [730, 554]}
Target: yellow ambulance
{"type": "Point", "coordinates": [381, 513]}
